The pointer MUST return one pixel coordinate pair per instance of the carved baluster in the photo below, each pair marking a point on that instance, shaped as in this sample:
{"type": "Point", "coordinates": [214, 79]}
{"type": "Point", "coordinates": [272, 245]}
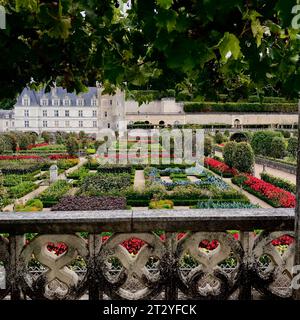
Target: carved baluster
{"type": "Point", "coordinates": [16, 244]}
{"type": "Point", "coordinates": [170, 267]}
{"type": "Point", "coordinates": [245, 288]}
{"type": "Point", "coordinates": [94, 249]}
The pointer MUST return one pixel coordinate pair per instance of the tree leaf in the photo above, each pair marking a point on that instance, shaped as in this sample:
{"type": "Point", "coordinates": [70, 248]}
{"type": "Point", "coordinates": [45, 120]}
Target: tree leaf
{"type": "Point", "coordinates": [229, 44]}
{"type": "Point", "coordinates": [166, 4]}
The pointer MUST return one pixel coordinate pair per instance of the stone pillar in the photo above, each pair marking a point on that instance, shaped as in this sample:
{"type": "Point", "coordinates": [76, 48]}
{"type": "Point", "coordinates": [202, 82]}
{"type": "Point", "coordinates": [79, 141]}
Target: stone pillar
{"type": "Point", "coordinates": [53, 173]}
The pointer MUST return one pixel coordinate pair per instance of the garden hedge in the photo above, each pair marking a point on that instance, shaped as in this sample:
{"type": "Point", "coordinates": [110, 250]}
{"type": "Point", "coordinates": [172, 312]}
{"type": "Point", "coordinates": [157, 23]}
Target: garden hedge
{"type": "Point", "coordinates": [194, 107]}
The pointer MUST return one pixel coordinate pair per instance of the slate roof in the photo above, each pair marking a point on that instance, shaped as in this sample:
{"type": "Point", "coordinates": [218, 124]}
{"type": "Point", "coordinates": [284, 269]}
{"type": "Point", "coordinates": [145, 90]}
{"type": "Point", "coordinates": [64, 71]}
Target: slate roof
{"type": "Point", "coordinates": [6, 114]}
{"type": "Point", "coordinates": [36, 96]}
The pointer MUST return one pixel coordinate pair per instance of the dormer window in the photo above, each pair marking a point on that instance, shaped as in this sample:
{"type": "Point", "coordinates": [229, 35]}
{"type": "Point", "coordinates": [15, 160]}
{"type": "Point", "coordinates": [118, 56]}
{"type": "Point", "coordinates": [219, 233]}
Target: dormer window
{"type": "Point", "coordinates": [26, 101]}
{"type": "Point", "coordinates": [80, 102]}
{"type": "Point", "coordinates": [55, 102]}
{"type": "Point", "coordinates": [67, 102]}
{"type": "Point", "coordinates": [44, 102]}
{"type": "Point", "coordinates": [94, 102]}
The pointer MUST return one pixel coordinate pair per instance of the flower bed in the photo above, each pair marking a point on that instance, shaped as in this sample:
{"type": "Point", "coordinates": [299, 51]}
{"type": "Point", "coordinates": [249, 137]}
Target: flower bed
{"type": "Point", "coordinates": [22, 189]}
{"type": "Point", "coordinates": [224, 205]}
{"type": "Point", "coordinates": [100, 184]}
{"type": "Point", "coordinates": [60, 156]}
{"type": "Point", "coordinates": [20, 157]}
{"type": "Point", "coordinates": [54, 193]}
{"type": "Point", "coordinates": [220, 167]}
{"type": "Point", "coordinates": [269, 193]}
{"type": "Point", "coordinates": [67, 163]}
{"type": "Point", "coordinates": [85, 203]}
{"type": "Point", "coordinates": [21, 166]}
{"type": "Point", "coordinates": [278, 182]}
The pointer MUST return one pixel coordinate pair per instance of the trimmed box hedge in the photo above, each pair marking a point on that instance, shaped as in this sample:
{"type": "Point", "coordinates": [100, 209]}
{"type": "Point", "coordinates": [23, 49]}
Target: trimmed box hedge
{"type": "Point", "coordinates": [194, 107]}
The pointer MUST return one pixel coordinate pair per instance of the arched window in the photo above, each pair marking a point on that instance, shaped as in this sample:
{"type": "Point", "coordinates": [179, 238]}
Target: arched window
{"type": "Point", "coordinates": [237, 123]}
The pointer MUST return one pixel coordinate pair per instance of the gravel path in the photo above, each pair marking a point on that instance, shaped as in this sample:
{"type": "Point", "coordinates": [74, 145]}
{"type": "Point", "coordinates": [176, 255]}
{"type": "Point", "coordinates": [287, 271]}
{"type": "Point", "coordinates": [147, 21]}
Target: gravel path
{"type": "Point", "coordinates": [139, 180]}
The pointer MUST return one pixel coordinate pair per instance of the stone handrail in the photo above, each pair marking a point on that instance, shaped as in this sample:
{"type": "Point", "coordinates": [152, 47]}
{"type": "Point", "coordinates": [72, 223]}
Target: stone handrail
{"type": "Point", "coordinates": [194, 257]}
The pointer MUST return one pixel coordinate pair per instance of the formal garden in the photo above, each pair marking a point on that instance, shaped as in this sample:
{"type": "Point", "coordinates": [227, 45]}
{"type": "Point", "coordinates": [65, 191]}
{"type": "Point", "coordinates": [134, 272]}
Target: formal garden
{"type": "Point", "coordinates": [85, 183]}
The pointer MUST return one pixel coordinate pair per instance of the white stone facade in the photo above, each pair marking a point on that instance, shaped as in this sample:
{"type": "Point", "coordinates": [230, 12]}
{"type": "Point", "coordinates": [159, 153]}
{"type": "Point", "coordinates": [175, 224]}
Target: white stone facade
{"type": "Point", "coordinates": [61, 111]}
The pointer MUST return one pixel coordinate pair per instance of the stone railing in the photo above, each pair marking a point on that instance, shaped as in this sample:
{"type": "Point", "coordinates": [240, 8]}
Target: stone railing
{"type": "Point", "coordinates": [169, 265]}
{"type": "Point", "coordinates": [285, 167]}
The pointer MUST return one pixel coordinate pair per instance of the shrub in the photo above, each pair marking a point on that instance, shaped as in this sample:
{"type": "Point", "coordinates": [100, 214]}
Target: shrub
{"type": "Point", "coordinates": [229, 153]}
{"type": "Point", "coordinates": [72, 146]}
{"type": "Point", "coordinates": [161, 204]}
{"type": "Point", "coordinates": [278, 148]}
{"type": "Point", "coordinates": [243, 157]}
{"type": "Point", "coordinates": [92, 164]}
{"type": "Point", "coordinates": [15, 179]}
{"type": "Point", "coordinates": [20, 166]}
{"type": "Point", "coordinates": [208, 146]}
{"type": "Point", "coordinates": [261, 142]}
{"type": "Point", "coordinates": [278, 182]}
{"type": "Point", "coordinates": [79, 173]}
{"type": "Point", "coordinates": [30, 206]}
{"type": "Point", "coordinates": [85, 203]}
{"type": "Point", "coordinates": [219, 138]}
{"type": "Point", "coordinates": [292, 146]}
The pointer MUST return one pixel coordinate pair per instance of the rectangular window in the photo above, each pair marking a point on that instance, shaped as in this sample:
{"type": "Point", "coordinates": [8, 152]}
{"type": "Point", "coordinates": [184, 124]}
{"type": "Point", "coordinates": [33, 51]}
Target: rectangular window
{"type": "Point", "coordinates": [56, 124]}
{"type": "Point", "coordinates": [45, 114]}
{"type": "Point", "coordinates": [56, 102]}
{"type": "Point", "coordinates": [44, 102]}
{"type": "Point", "coordinates": [95, 124]}
{"type": "Point", "coordinates": [80, 113]}
{"type": "Point", "coordinates": [67, 123]}
{"type": "Point", "coordinates": [105, 114]}
{"type": "Point", "coordinates": [45, 124]}
{"type": "Point", "coordinates": [80, 102]}
{"type": "Point", "coordinates": [110, 102]}
{"type": "Point", "coordinates": [80, 124]}
{"type": "Point", "coordinates": [26, 113]}
{"type": "Point", "coordinates": [25, 102]}
{"type": "Point", "coordinates": [67, 102]}
{"type": "Point", "coordinates": [56, 113]}
{"type": "Point", "coordinates": [67, 113]}
{"type": "Point", "coordinates": [94, 102]}
{"type": "Point", "coordinates": [94, 113]}
{"type": "Point", "coordinates": [26, 124]}
{"type": "Point", "coordinates": [108, 125]}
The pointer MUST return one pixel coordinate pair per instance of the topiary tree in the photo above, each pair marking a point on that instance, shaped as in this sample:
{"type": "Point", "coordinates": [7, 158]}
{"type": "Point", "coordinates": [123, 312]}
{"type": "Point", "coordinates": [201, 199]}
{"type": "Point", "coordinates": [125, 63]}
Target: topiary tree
{"type": "Point", "coordinates": [278, 147]}
{"type": "Point", "coordinates": [262, 140]}
{"type": "Point", "coordinates": [244, 157]}
{"type": "Point", "coordinates": [229, 153]}
{"type": "Point", "coordinates": [72, 146]}
{"type": "Point", "coordinates": [292, 146]}
{"type": "Point", "coordinates": [46, 136]}
{"type": "Point", "coordinates": [219, 138]}
{"type": "Point", "coordinates": [208, 145]}
{"type": "Point", "coordinates": [24, 140]}
{"type": "Point", "coordinates": [227, 133]}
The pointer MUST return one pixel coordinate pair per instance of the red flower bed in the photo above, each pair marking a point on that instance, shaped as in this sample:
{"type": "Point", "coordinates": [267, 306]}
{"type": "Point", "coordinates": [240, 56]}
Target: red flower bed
{"type": "Point", "coordinates": [278, 196]}
{"type": "Point", "coordinates": [60, 156]}
{"type": "Point", "coordinates": [219, 166]}
{"type": "Point", "coordinates": [38, 145]}
{"type": "Point", "coordinates": [20, 157]}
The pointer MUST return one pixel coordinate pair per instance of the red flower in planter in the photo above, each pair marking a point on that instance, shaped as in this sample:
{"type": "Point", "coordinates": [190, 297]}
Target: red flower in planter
{"type": "Point", "coordinates": [58, 248]}
{"type": "Point", "coordinates": [283, 240]}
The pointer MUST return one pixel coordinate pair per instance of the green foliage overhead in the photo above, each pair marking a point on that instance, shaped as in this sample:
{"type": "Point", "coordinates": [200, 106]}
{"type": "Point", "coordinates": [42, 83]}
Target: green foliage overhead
{"type": "Point", "coordinates": [199, 48]}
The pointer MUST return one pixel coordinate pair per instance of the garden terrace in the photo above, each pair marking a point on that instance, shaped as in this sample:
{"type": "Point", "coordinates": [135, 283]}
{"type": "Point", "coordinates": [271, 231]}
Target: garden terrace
{"type": "Point", "coordinates": [116, 254]}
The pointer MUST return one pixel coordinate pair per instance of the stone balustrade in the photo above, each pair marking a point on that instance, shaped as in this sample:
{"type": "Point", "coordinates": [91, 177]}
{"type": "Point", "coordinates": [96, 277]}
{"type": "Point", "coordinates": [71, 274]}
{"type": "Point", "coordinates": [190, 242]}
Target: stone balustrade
{"type": "Point", "coordinates": [171, 263]}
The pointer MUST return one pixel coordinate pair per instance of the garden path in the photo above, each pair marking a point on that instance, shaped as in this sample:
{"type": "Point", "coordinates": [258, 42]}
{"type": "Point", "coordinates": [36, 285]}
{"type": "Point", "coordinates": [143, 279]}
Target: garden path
{"type": "Point", "coordinates": [258, 168]}
{"type": "Point", "coordinates": [139, 180]}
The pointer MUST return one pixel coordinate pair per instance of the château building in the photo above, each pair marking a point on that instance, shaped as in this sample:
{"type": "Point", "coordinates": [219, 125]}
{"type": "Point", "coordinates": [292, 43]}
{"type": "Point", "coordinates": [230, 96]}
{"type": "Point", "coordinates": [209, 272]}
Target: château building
{"type": "Point", "coordinates": [92, 111]}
